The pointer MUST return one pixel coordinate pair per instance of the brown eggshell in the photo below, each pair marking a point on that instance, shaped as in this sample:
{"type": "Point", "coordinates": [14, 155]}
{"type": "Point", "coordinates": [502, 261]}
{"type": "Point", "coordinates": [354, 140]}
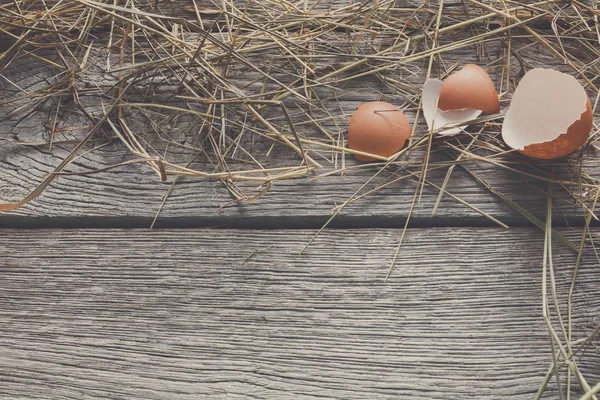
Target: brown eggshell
{"type": "Point", "coordinates": [568, 142]}
{"type": "Point", "coordinates": [471, 87]}
{"type": "Point", "coordinates": [550, 115]}
{"type": "Point", "coordinates": [377, 128]}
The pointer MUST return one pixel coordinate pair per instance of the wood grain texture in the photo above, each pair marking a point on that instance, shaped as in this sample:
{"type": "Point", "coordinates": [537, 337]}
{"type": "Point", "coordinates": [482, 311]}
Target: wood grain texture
{"type": "Point", "coordinates": [130, 196]}
{"type": "Point", "coordinates": [228, 314]}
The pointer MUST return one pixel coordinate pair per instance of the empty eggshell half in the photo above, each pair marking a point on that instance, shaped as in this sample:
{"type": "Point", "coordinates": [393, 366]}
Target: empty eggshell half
{"type": "Point", "coordinates": [471, 87]}
{"type": "Point", "coordinates": [445, 122]}
{"type": "Point", "coordinates": [462, 97]}
{"type": "Point", "coordinates": [550, 115]}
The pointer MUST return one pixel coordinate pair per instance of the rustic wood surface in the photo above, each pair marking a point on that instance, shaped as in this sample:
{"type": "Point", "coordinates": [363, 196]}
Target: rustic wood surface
{"type": "Point", "coordinates": [229, 314]}
{"type": "Point", "coordinates": [131, 195]}
{"type": "Point", "coordinates": [93, 308]}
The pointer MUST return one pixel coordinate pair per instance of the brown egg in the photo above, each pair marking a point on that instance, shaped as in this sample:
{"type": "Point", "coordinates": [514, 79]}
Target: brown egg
{"type": "Point", "coordinates": [471, 87]}
{"type": "Point", "coordinates": [550, 115]}
{"type": "Point", "coordinates": [377, 128]}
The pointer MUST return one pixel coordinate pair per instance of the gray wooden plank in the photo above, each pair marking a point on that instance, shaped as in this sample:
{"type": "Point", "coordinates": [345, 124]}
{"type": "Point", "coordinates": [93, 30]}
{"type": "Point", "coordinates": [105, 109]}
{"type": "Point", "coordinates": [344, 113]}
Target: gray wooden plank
{"type": "Point", "coordinates": [132, 194]}
{"type": "Point", "coordinates": [182, 314]}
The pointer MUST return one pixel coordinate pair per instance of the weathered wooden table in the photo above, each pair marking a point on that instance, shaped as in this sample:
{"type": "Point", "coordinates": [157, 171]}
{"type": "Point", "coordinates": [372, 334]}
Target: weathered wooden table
{"type": "Point", "coordinates": [217, 303]}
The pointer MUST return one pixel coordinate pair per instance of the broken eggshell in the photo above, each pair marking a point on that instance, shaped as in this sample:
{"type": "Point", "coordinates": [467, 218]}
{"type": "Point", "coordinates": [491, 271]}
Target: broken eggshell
{"type": "Point", "coordinates": [447, 123]}
{"type": "Point", "coordinates": [471, 87]}
{"type": "Point", "coordinates": [462, 97]}
{"type": "Point", "coordinates": [550, 115]}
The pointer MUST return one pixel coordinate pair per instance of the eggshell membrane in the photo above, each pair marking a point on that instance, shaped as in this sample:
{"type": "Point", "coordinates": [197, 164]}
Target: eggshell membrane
{"type": "Point", "coordinates": [550, 115]}
{"type": "Point", "coordinates": [447, 123]}
{"type": "Point", "coordinates": [377, 128]}
{"type": "Point", "coordinates": [471, 87]}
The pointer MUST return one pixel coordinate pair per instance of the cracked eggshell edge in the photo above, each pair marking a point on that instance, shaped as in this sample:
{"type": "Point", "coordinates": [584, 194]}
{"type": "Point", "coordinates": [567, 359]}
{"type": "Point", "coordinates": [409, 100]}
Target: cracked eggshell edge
{"type": "Point", "coordinates": [446, 123]}
{"type": "Point", "coordinates": [546, 103]}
